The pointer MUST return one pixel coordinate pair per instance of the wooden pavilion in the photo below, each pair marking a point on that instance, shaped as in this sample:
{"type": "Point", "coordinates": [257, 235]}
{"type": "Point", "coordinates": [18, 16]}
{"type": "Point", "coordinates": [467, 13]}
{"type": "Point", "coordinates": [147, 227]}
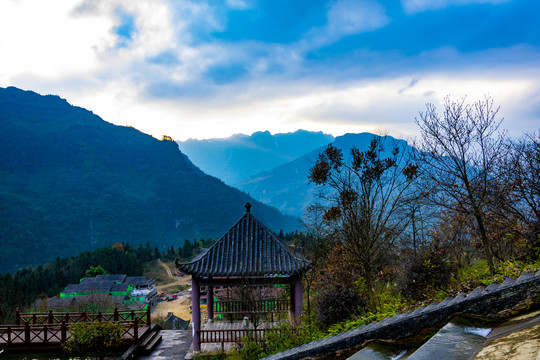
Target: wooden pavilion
{"type": "Point", "coordinates": [248, 251]}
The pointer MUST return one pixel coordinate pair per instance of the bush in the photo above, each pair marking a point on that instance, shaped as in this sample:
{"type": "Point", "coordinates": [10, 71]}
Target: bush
{"type": "Point", "coordinates": [95, 338]}
{"type": "Point", "coordinates": [283, 338]}
{"type": "Point", "coordinates": [337, 302]}
{"type": "Point", "coordinates": [423, 273]}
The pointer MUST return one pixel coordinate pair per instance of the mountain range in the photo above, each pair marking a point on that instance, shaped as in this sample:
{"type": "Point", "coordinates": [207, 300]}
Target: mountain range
{"type": "Point", "coordinates": [236, 158]}
{"type": "Point", "coordinates": [285, 186]}
{"type": "Point", "coordinates": [70, 181]}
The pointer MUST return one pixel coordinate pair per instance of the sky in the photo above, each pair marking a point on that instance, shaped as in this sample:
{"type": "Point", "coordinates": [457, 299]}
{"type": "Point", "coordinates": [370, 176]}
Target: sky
{"type": "Point", "coordinates": [209, 69]}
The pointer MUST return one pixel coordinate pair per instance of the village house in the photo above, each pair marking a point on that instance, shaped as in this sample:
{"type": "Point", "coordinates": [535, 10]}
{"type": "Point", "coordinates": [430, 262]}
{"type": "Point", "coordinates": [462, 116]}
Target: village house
{"type": "Point", "coordinates": [117, 290]}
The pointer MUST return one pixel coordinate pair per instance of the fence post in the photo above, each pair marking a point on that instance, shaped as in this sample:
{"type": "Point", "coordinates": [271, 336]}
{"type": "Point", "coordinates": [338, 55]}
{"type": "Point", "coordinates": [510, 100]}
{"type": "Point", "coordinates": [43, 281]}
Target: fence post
{"type": "Point", "coordinates": [83, 316]}
{"type": "Point", "coordinates": [148, 321]}
{"type": "Point", "coordinates": [132, 315]}
{"type": "Point", "coordinates": [27, 335]}
{"type": "Point", "coordinates": [63, 332]}
{"type": "Point", "coordinates": [115, 315]}
{"type": "Point", "coordinates": [45, 333]}
{"type": "Point", "coordinates": [9, 335]}
{"type": "Point", "coordinates": [136, 329]}
{"type": "Point", "coordinates": [66, 318]}
{"type": "Point", "coordinates": [17, 317]}
{"type": "Point", "coordinates": [51, 318]}
{"type": "Point", "coordinates": [34, 318]}
{"type": "Point", "coordinates": [99, 316]}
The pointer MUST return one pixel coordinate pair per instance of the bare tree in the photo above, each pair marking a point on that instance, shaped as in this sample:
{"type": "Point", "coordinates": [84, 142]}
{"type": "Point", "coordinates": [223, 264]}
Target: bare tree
{"type": "Point", "coordinates": [313, 245]}
{"type": "Point", "coordinates": [364, 204]}
{"type": "Point", "coordinates": [523, 179]}
{"type": "Point", "coordinates": [460, 152]}
{"type": "Point", "coordinates": [254, 300]}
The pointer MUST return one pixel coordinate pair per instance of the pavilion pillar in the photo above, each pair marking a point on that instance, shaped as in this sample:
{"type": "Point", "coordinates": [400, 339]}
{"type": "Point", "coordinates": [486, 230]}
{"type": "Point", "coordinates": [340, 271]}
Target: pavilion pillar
{"type": "Point", "coordinates": [292, 303]}
{"type": "Point", "coordinates": [196, 312]}
{"type": "Point", "coordinates": [210, 302]}
{"type": "Point", "coordinates": [298, 298]}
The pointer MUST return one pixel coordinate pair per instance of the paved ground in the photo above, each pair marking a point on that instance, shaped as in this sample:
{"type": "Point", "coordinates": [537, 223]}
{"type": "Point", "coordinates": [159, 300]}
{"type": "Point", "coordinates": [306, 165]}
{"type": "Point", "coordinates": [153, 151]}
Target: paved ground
{"type": "Point", "coordinates": [174, 345]}
{"type": "Point", "coordinates": [517, 339]}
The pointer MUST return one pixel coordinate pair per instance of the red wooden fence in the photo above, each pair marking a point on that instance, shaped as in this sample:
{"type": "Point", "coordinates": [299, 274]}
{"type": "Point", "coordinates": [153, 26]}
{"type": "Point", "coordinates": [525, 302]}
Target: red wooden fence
{"type": "Point", "coordinates": [40, 330]}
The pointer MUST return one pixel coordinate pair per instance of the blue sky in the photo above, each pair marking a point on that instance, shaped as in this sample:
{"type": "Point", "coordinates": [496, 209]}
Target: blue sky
{"type": "Point", "coordinates": [204, 69]}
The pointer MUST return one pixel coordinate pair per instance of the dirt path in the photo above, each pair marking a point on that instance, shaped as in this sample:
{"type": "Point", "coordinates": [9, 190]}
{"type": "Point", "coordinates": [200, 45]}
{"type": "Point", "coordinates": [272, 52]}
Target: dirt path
{"type": "Point", "coordinates": [180, 306]}
{"type": "Point", "coordinates": [177, 280]}
{"type": "Point", "coordinates": [167, 269]}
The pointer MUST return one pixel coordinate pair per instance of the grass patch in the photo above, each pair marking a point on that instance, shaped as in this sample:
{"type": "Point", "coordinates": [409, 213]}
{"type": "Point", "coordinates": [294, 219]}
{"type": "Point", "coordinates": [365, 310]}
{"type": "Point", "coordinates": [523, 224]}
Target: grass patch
{"type": "Point", "coordinates": [467, 279]}
{"type": "Point", "coordinates": [211, 356]}
{"type": "Point", "coordinates": [178, 288]}
{"type": "Point", "coordinates": [155, 271]}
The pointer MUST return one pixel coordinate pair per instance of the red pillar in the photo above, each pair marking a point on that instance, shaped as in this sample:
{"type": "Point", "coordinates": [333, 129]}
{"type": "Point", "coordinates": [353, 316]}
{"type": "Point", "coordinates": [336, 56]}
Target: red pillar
{"type": "Point", "coordinates": [210, 302]}
{"type": "Point", "coordinates": [292, 303]}
{"type": "Point", "coordinates": [298, 297]}
{"type": "Point", "coordinates": [195, 312]}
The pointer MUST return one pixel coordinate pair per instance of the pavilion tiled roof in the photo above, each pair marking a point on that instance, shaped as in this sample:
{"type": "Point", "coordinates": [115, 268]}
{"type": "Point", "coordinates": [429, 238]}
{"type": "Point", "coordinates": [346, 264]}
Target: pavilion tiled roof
{"type": "Point", "coordinates": [248, 249]}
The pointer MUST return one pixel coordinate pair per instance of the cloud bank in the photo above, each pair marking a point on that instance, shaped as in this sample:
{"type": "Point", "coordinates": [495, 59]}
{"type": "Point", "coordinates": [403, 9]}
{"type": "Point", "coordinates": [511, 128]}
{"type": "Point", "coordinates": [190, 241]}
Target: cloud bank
{"type": "Point", "coordinates": [213, 68]}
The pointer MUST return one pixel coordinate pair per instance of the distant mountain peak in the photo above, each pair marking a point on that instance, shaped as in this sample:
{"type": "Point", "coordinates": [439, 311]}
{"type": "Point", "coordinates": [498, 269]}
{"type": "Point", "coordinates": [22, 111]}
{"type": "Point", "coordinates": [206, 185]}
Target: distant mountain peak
{"type": "Point", "coordinates": [239, 156]}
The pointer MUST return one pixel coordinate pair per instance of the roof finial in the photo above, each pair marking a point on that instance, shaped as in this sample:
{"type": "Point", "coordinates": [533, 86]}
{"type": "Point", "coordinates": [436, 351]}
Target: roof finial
{"type": "Point", "coordinates": [248, 207]}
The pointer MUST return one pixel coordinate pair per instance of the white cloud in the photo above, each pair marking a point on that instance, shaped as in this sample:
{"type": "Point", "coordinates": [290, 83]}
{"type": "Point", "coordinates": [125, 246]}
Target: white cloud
{"type": "Point", "coordinates": [365, 105]}
{"type": "Point", "coordinates": [238, 4]}
{"type": "Point", "coordinates": [415, 6]}
{"type": "Point", "coordinates": [42, 38]}
{"type": "Point", "coordinates": [348, 17]}
{"type": "Point", "coordinates": [70, 49]}
{"type": "Point", "coordinates": [61, 38]}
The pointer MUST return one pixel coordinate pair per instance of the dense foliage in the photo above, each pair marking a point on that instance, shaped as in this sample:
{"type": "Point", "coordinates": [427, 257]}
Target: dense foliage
{"type": "Point", "coordinates": [70, 181]}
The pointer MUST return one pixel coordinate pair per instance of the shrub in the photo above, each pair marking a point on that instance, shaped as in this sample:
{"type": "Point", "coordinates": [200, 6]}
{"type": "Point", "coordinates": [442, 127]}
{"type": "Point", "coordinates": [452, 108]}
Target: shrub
{"type": "Point", "coordinates": [95, 338]}
{"type": "Point", "coordinates": [423, 273]}
{"type": "Point", "coordinates": [336, 302]}
{"type": "Point", "coordinates": [283, 338]}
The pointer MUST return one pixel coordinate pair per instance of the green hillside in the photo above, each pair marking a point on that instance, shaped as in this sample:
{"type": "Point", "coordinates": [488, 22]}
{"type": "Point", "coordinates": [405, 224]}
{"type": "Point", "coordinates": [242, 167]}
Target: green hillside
{"type": "Point", "coordinates": [70, 181]}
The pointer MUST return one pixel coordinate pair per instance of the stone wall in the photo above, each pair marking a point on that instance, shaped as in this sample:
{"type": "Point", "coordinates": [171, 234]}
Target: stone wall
{"type": "Point", "coordinates": [489, 301]}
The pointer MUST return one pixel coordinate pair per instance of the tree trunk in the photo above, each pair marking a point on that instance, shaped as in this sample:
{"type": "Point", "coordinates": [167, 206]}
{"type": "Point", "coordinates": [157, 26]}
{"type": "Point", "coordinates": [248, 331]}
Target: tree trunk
{"type": "Point", "coordinates": [371, 294]}
{"type": "Point", "coordinates": [485, 242]}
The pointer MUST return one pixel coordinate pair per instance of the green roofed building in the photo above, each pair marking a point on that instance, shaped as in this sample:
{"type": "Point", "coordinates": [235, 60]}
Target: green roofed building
{"type": "Point", "coordinates": [129, 289]}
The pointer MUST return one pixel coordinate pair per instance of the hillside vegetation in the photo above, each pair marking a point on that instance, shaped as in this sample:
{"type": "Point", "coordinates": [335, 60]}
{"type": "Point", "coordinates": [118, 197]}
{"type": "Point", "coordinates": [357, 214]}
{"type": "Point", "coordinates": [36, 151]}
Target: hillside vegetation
{"type": "Point", "coordinates": [70, 181]}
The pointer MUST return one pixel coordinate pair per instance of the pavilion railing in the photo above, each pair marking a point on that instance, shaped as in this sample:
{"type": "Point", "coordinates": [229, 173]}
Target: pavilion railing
{"type": "Point", "coordinates": [231, 335]}
{"type": "Point", "coordinates": [241, 306]}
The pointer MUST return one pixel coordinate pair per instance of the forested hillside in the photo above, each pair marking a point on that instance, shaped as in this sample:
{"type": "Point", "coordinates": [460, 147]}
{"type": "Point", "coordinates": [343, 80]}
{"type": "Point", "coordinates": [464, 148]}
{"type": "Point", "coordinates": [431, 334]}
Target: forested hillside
{"type": "Point", "coordinates": [70, 181]}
